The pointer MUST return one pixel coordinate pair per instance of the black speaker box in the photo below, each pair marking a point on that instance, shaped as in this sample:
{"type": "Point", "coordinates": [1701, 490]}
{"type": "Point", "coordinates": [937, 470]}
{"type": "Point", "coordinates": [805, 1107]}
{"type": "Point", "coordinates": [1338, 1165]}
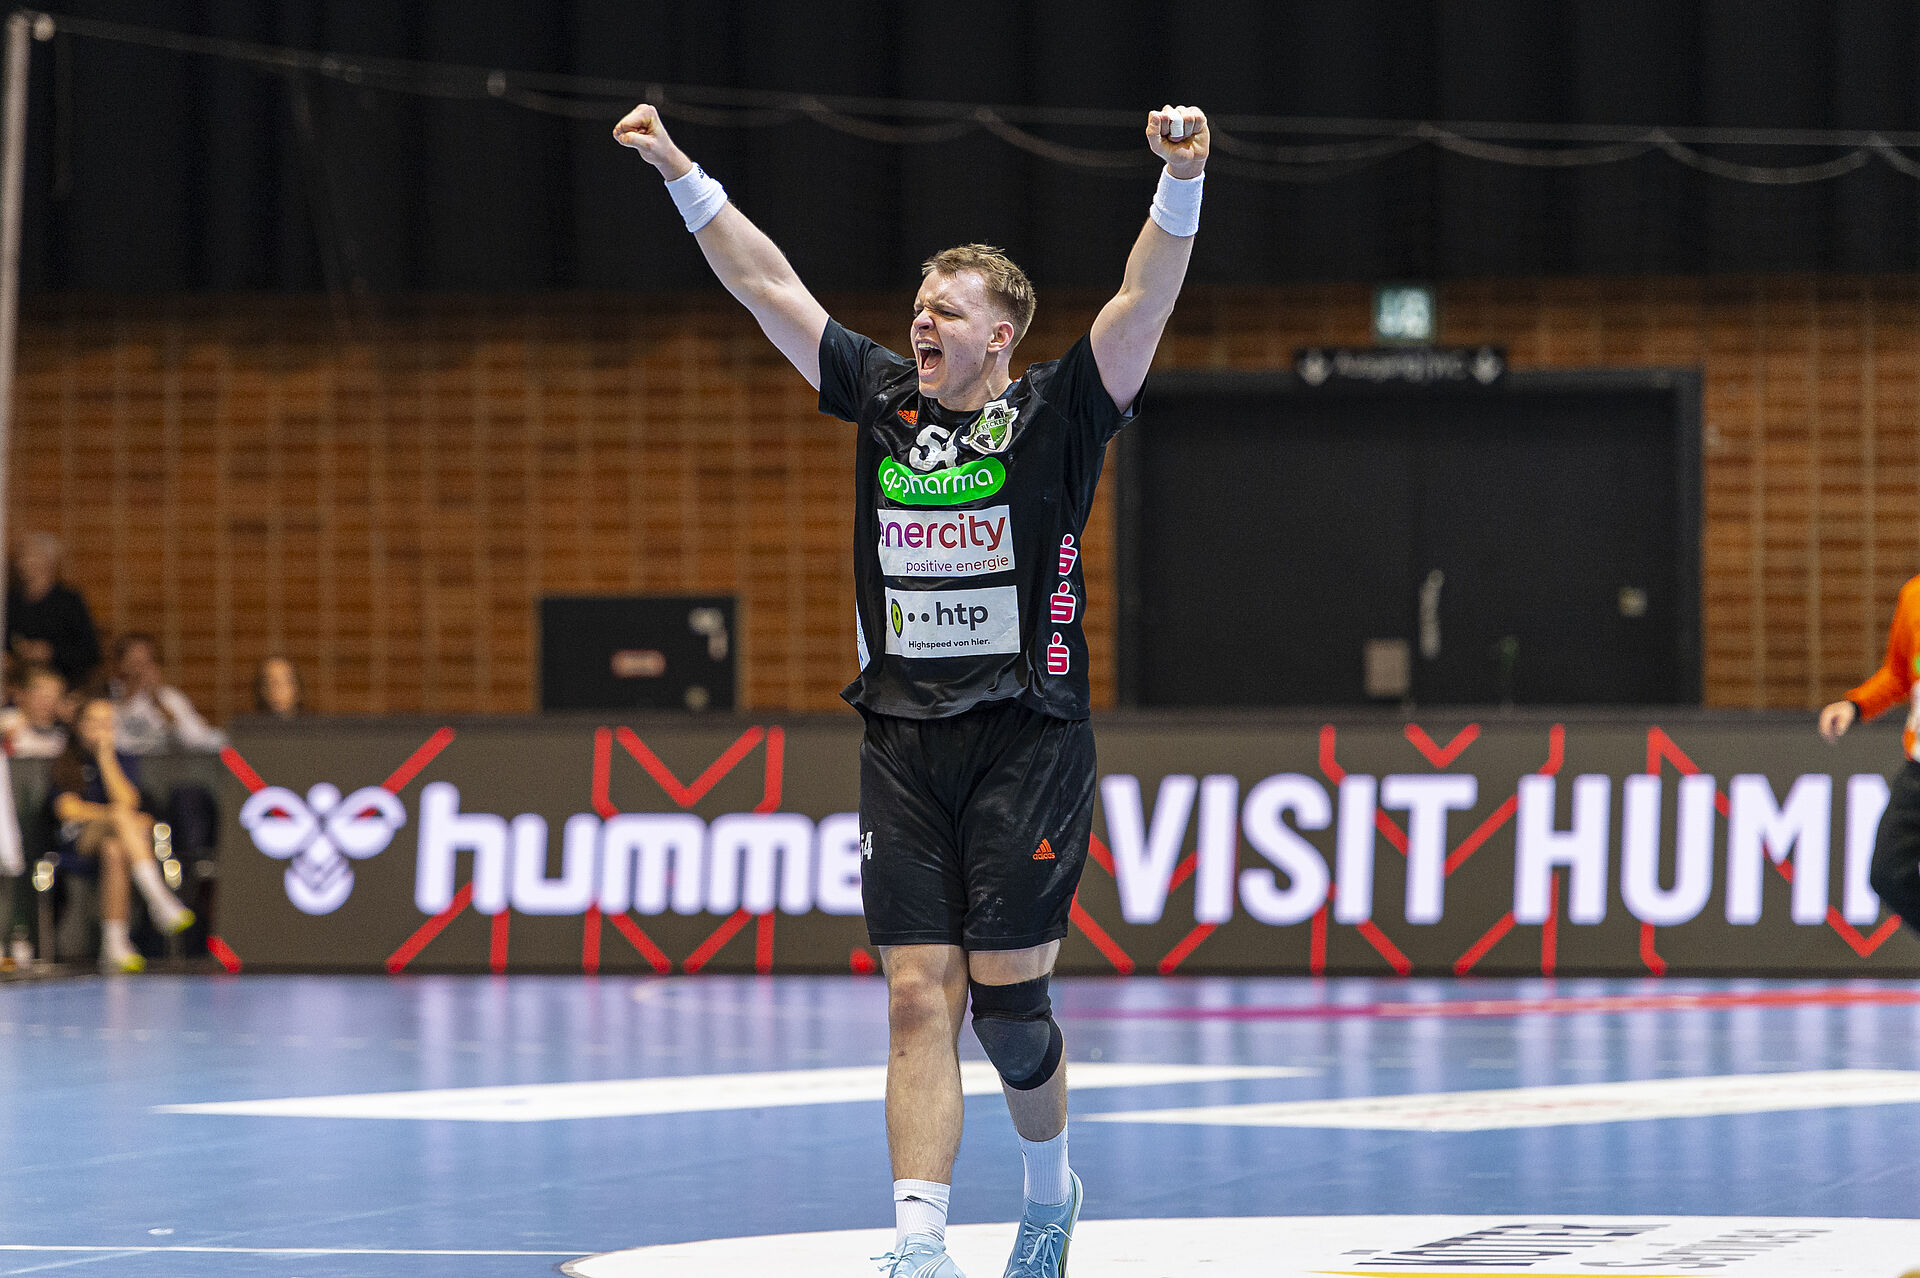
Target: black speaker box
{"type": "Point", "coordinates": [638, 652]}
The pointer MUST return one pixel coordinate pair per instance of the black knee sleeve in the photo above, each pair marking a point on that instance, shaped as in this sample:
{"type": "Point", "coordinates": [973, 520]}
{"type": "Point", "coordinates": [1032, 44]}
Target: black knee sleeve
{"type": "Point", "coordinates": [1015, 1026]}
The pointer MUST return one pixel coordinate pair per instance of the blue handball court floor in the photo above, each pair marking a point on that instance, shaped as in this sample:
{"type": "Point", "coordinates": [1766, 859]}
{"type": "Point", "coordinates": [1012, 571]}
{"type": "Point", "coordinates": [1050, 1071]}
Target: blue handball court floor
{"type": "Point", "coordinates": [317, 1127]}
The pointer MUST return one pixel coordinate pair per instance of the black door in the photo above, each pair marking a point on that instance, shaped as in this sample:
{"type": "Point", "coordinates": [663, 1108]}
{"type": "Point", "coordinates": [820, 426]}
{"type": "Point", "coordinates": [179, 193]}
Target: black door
{"type": "Point", "coordinates": [1534, 543]}
{"type": "Point", "coordinates": [1268, 548]}
{"type": "Point", "coordinates": [1547, 522]}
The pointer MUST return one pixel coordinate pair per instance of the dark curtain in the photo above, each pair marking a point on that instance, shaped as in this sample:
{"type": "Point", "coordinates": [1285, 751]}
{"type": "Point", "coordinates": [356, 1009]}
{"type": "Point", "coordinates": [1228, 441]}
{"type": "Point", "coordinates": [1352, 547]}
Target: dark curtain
{"type": "Point", "coordinates": [161, 171]}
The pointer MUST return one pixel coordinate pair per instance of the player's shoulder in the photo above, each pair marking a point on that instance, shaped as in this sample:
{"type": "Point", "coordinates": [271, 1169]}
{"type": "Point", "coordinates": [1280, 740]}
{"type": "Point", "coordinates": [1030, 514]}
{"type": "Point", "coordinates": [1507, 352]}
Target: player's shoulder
{"type": "Point", "coordinates": [855, 368]}
{"type": "Point", "coordinates": [873, 355]}
{"type": "Point", "coordinates": [836, 334]}
{"type": "Point", "coordinates": [1068, 363]}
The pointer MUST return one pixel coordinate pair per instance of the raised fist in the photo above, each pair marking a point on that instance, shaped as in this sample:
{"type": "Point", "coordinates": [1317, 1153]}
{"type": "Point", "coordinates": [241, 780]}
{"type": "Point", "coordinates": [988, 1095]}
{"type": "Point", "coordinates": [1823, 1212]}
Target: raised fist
{"type": "Point", "coordinates": [642, 130]}
{"type": "Point", "coordinates": [1836, 719]}
{"type": "Point", "coordinates": [1178, 135]}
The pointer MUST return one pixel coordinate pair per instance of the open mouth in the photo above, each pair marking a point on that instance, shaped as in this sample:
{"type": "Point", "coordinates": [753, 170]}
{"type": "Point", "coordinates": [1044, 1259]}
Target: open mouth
{"type": "Point", "coordinates": [929, 356]}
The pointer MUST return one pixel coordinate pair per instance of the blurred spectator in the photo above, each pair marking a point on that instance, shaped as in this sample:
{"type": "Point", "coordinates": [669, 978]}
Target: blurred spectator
{"type": "Point", "coordinates": [13, 865]}
{"type": "Point", "coordinates": [154, 716]}
{"type": "Point", "coordinates": [95, 796]}
{"type": "Point", "coordinates": [47, 620]}
{"type": "Point", "coordinates": [277, 690]}
{"type": "Point", "coordinates": [34, 726]}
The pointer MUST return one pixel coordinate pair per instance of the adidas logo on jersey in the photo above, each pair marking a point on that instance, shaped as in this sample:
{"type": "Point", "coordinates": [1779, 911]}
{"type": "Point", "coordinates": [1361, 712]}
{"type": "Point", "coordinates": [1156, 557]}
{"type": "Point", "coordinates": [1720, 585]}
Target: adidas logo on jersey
{"type": "Point", "coordinates": [1044, 852]}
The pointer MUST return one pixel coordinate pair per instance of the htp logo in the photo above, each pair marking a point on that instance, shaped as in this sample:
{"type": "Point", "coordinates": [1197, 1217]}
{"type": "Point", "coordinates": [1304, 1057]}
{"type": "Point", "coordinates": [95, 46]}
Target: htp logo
{"type": "Point", "coordinates": [953, 623]}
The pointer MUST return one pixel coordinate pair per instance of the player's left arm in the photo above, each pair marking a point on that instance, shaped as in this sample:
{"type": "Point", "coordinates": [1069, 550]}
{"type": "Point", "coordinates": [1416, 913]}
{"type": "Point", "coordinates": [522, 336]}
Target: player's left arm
{"type": "Point", "coordinates": [1128, 329]}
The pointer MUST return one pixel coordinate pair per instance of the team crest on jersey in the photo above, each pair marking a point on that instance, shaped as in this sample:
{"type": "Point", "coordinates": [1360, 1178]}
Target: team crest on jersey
{"type": "Point", "coordinates": [934, 449]}
{"type": "Point", "coordinates": [994, 429]}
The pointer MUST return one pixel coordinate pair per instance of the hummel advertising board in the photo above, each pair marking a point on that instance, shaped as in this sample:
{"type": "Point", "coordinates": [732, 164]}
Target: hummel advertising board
{"type": "Point", "coordinates": [1512, 846]}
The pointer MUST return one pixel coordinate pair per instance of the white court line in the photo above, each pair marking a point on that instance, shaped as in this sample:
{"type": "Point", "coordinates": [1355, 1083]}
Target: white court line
{"type": "Point", "coordinates": [1547, 1246]}
{"type": "Point", "coordinates": [687, 1094]}
{"type": "Point", "coordinates": [144, 1248]}
{"type": "Point", "coordinates": [1499, 1109]}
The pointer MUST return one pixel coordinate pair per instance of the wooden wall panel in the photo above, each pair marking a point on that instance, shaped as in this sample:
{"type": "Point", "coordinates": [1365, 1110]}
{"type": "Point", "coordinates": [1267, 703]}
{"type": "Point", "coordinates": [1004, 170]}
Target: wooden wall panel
{"type": "Point", "coordinates": [383, 490]}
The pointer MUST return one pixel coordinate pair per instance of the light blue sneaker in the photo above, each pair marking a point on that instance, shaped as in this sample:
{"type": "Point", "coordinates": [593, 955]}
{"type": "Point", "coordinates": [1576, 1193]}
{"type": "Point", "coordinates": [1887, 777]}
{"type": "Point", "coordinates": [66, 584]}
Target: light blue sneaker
{"type": "Point", "coordinates": [920, 1256]}
{"type": "Point", "coordinates": [1040, 1248]}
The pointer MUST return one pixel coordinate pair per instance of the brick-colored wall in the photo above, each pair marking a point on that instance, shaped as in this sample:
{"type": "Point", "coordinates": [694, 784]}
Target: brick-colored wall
{"type": "Point", "coordinates": [383, 491]}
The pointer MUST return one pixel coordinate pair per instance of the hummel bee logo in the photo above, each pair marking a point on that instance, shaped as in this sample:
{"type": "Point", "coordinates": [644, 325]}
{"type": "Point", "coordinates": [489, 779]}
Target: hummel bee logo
{"type": "Point", "coordinates": [316, 835]}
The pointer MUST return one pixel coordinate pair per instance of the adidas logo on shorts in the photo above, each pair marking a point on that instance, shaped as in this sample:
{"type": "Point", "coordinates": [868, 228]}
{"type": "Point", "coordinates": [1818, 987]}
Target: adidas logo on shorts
{"type": "Point", "coordinates": [1044, 852]}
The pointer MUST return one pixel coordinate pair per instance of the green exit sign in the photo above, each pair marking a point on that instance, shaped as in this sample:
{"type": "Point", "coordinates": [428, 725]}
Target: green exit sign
{"type": "Point", "coordinates": [1405, 315]}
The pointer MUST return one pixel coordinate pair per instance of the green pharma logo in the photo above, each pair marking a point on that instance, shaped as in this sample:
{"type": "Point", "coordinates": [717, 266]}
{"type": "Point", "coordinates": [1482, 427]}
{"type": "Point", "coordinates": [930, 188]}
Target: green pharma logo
{"type": "Point", "coordinates": [948, 487]}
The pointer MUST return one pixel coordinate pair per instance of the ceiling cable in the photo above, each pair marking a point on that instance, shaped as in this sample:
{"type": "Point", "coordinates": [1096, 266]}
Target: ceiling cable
{"type": "Point", "coordinates": [916, 122]}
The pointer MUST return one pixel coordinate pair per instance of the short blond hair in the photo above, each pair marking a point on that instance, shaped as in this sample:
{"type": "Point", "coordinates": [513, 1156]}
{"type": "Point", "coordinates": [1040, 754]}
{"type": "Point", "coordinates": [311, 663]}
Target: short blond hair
{"type": "Point", "coordinates": [1006, 283]}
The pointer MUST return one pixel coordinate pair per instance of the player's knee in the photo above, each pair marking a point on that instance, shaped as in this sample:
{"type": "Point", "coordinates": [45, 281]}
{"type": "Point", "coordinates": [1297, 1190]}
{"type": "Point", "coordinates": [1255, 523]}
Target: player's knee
{"type": "Point", "coordinates": [916, 1000]}
{"type": "Point", "coordinates": [1016, 1029]}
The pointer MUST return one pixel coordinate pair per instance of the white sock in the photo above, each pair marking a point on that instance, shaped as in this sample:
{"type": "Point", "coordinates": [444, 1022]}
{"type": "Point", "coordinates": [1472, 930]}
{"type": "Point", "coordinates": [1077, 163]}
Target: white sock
{"type": "Point", "coordinates": [1046, 1162]}
{"type": "Point", "coordinates": [919, 1207]}
{"type": "Point", "coordinates": [114, 943]}
{"type": "Point", "coordinates": [162, 904]}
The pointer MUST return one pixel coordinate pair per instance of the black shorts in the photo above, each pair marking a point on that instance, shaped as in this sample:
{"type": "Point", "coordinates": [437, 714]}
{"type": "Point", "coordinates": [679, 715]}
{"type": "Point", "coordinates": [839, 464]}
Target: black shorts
{"type": "Point", "coordinates": [974, 829]}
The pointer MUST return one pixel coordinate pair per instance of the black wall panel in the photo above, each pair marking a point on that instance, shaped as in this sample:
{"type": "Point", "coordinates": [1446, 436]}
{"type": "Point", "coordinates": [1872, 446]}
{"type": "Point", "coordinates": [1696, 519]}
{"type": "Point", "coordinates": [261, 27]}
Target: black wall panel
{"type": "Point", "coordinates": [159, 170]}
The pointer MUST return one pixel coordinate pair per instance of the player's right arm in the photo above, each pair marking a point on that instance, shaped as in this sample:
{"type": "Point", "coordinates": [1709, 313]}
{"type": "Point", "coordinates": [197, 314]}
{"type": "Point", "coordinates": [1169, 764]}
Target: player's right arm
{"type": "Point", "coordinates": [748, 263]}
{"type": "Point", "coordinates": [1892, 682]}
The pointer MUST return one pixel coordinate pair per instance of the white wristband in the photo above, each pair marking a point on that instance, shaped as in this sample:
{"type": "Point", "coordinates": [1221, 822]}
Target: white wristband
{"type": "Point", "coordinates": [698, 197]}
{"type": "Point", "coordinates": [1176, 204]}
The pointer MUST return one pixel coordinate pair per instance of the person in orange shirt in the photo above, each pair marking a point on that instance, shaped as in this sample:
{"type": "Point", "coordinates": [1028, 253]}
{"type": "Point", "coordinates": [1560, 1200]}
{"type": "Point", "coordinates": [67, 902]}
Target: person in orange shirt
{"type": "Point", "coordinates": [1895, 872]}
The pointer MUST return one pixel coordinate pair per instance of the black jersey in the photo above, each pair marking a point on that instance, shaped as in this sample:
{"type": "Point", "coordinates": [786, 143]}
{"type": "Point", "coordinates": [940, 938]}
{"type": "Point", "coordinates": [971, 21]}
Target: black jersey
{"type": "Point", "coordinates": [966, 543]}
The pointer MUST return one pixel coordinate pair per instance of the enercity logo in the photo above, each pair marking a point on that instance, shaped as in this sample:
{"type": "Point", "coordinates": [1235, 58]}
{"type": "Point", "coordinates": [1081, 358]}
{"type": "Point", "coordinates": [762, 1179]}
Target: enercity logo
{"type": "Point", "coordinates": [962, 543]}
{"type": "Point", "coordinates": [647, 862]}
{"type": "Point", "coordinates": [1293, 879]}
{"type": "Point", "coordinates": [316, 835]}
